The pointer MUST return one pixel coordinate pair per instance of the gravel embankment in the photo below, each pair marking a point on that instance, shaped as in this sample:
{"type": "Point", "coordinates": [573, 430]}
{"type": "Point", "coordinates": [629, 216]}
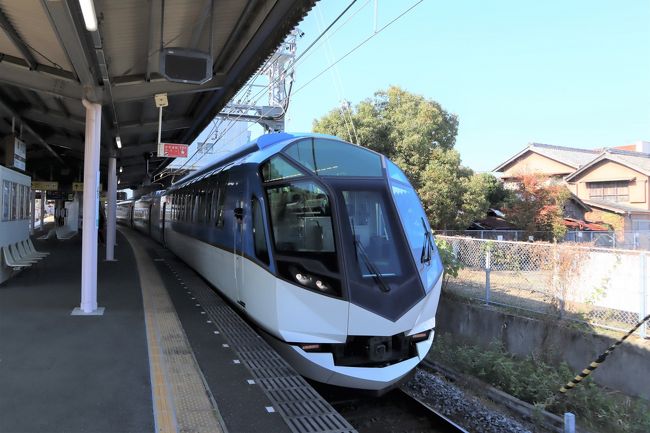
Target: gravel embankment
{"type": "Point", "coordinates": [465, 410]}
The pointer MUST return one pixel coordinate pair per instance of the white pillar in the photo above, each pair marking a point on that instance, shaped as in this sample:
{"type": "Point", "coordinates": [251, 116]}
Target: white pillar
{"type": "Point", "coordinates": [32, 210]}
{"type": "Point", "coordinates": [90, 222]}
{"type": "Point", "coordinates": [111, 209]}
{"type": "Point", "coordinates": [42, 209]}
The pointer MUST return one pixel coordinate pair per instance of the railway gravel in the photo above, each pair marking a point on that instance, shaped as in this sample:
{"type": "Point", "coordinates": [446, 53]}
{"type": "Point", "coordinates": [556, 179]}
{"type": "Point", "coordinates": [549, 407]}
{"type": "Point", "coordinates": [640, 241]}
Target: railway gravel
{"type": "Point", "coordinates": [467, 411]}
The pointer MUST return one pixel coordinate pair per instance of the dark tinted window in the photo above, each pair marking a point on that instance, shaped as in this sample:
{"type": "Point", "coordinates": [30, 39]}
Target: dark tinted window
{"type": "Point", "coordinates": [277, 169]}
{"type": "Point", "coordinates": [259, 233]}
{"type": "Point", "coordinates": [335, 158]}
{"type": "Point", "coordinates": [301, 218]}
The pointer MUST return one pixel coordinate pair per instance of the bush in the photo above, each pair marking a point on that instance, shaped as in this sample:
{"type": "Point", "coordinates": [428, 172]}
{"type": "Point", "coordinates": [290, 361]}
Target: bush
{"type": "Point", "coordinates": [450, 263]}
{"type": "Point", "coordinates": [537, 382]}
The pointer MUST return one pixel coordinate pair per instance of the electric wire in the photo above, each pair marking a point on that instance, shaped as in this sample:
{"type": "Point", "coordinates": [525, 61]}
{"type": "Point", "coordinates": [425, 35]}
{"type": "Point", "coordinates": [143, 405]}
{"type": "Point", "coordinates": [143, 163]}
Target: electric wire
{"type": "Point", "coordinates": [359, 45]}
{"type": "Point", "coordinates": [261, 92]}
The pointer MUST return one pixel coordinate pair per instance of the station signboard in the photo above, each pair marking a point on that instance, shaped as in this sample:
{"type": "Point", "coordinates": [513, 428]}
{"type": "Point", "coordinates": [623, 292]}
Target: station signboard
{"type": "Point", "coordinates": [60, 195]}
{"type": "Point", "coordinates": [15, 152]}
{"type": "Point", "coordinates": [20, 154]}
{"type": "Point", "coordinates": [79, 186]}
{"type": "Point", "coordinates": [45, 186]}
{"type": "Point", "coordinates": [172, 150]}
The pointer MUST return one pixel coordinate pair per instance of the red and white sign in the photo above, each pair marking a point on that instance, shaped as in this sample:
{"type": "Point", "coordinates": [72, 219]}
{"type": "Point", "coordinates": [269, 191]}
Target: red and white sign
{"type": "Point", "coordinates": [173, 150]}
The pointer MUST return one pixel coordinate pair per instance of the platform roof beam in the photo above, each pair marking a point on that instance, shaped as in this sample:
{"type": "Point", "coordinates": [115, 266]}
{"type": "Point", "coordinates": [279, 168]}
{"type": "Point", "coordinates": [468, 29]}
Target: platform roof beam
{"type": "Point", "coordinates": [27, 128]}
{"type": "Point", "coordinates": [18, 42]}
{"type": "Point", "coordinates": [75, 46]}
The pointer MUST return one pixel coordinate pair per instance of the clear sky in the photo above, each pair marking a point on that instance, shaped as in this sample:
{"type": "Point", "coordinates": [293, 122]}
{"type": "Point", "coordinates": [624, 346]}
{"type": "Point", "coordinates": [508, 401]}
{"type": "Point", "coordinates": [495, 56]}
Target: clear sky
{"type": "Point", "coordinates": [571, 73]}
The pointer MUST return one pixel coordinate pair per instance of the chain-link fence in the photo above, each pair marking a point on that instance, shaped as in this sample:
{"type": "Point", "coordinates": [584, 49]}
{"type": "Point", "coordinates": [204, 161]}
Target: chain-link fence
{"type": "Point", "coordinates": [604, 287]}
{"type": "Point", "coordinates": [605, 239]}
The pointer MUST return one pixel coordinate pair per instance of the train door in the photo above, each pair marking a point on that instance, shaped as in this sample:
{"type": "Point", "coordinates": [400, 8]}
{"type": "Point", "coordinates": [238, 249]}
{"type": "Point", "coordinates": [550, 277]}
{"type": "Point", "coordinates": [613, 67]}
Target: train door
{"type": "Point", "coordinates": [240, 190]}
{"type": "Point", "coordinates": [238, 251]}
{"type": "Point", "coordinates": [162, 222]}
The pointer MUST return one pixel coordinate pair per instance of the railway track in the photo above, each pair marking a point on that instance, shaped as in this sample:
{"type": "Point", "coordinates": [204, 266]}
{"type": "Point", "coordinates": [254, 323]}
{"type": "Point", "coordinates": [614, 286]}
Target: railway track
{"type": "Point", "coordinates": [394, 412]}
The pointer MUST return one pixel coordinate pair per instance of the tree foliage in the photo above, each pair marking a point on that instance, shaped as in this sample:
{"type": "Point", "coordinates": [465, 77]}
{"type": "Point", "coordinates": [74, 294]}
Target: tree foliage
{"type": "Point", "coordinates": [538, 205]}
{"type": "Point", "coordinates": [403, 126]}
{"type": "Point", "coordinates": [418, 135]}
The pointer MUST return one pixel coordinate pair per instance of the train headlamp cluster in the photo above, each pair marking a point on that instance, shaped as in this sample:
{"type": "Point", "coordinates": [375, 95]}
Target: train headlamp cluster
{"type": "Point", "coordinates": [312, 282]}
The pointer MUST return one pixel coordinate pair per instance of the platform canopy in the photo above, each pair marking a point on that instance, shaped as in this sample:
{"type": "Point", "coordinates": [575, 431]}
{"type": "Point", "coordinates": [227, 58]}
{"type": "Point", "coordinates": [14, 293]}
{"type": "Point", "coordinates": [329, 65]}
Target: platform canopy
{"type": "Point", "coordinates": [49, 62]}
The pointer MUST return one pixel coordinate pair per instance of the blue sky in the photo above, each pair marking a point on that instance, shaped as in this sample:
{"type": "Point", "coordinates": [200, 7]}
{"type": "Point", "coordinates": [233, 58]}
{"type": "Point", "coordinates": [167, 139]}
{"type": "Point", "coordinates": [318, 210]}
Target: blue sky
{"type": "Point", "coordinates": [571, 73]}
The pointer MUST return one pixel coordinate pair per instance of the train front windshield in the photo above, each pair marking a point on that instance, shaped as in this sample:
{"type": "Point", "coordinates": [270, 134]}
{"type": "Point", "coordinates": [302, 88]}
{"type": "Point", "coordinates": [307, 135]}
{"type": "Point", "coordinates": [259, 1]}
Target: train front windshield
{"type": "Point", "coordinates": [332, 212]}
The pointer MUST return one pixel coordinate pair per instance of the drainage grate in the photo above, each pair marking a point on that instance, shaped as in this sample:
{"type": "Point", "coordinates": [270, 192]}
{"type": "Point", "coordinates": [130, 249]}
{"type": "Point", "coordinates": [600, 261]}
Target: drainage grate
{"type": "Point", "coordinates": [302, 408]}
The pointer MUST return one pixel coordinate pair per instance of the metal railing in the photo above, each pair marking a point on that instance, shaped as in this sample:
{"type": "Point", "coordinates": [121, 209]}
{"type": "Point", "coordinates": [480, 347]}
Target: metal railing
{"type": "Point", "coordinates": [603, 287]}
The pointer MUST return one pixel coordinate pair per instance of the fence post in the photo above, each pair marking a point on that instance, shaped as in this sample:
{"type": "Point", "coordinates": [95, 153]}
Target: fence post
{"type": "Point", "coordinates": [569, 422]}
{"type": "Point", "coordinates": [643, 289]}
{"type": "Point", "coordinates": [487, 276]}
{"type": "Point", "coordinates": [556, 284]}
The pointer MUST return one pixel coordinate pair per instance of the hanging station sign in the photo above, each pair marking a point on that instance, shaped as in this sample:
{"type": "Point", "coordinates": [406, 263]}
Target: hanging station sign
{"type": "Point", "coordinates": [172, 150]}
{"type": "Point", "coordinates": [20, 154]}
{"type": "Point", "coordinates": [15, 152]}
{"type": "Point", "coordinates": [79, 186]}
{"type": "Point", "coordinates": [45, 186]}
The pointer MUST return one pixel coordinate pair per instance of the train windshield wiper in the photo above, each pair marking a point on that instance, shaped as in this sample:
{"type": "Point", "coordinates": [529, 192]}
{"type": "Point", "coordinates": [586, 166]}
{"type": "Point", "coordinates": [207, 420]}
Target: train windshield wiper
{"type": "Point", "coordinates": [425, 256]}
{"type": "Point", "coordinates": [361, 251]}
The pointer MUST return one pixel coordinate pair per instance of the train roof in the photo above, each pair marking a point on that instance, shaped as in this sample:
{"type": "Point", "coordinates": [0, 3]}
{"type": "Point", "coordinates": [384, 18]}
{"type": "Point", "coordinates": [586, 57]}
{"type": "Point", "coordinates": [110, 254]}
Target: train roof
{"type": "Point", "coordinates": [271, 143]}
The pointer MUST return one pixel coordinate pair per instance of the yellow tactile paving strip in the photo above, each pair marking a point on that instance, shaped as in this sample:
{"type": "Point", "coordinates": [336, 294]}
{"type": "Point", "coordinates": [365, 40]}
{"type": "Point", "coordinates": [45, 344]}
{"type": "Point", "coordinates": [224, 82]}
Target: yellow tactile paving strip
{"type": "Point", "coordinates": [180, 398]}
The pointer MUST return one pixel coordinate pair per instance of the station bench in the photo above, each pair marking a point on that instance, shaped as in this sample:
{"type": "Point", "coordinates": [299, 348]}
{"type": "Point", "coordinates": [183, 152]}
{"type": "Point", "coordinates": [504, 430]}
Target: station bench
{"type": "Point", "coordinates": [21, 254]}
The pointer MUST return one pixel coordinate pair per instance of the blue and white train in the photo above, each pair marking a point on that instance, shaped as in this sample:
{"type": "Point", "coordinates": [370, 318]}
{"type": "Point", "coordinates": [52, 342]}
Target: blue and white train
{"type": "Point", "coordinates": [321, 243]}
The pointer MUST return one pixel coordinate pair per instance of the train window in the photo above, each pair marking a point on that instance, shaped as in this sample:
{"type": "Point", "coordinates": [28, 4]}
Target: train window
{"type": "Point", "coordinates": [373, 234]}
{"type": "Point", "coordinates": [303, 152]}
{"type": "Point", "coordinates": [221, 200]}
{"type": "Point", "coordinates": [208, 204]}
{"type": "Point", "coordinates": [335, 158]}
{"type": "Point", "coordinates": [301, 218]}
{"type": "Point", "coordinates": [395, 173]}
{"type": "Point", "coordinates": [259, 233]}
{"type": "Point", "coordinates": [278, 169]}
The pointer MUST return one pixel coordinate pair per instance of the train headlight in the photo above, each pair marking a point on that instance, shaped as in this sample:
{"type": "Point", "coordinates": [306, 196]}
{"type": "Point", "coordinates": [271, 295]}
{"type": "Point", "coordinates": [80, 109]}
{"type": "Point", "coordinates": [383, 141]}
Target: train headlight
{"type": "Point", "coordinates": [322, 286]}
{"type": "Point", "coordinates": [420, 336]}
{"type": "Point", "coordinates": [303, 279]}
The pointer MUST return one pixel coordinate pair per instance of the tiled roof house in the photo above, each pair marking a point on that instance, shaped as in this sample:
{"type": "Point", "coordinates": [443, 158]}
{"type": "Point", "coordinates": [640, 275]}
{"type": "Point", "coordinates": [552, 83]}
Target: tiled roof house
{"type": "Point", "coordinates": [612, 181]}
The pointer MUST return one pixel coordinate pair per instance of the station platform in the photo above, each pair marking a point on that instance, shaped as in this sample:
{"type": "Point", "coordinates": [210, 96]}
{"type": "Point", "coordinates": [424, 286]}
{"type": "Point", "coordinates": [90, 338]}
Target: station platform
{"type": "Point", "coordinates": [168, 355]}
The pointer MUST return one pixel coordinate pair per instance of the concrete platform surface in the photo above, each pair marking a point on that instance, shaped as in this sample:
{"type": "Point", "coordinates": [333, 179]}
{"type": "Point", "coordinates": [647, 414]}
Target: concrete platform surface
{"type": "Point", "coordinates": [63, 373]}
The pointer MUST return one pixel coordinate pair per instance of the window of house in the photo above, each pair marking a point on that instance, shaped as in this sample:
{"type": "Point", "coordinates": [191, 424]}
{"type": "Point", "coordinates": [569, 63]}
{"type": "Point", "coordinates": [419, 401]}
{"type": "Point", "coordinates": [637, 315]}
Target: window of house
{"type": "Point", "coordinates": [615, 191]}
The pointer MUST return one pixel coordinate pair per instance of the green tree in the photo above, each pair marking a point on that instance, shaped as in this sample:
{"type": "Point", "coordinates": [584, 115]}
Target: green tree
{"type": "Point", "coordinates": [419, 136]}
{"type": "Point", "coordinates": [496, 194]}
{"type": "Point", "coordinates": [403, 126]}
{"type": "Point", "coordinates": [451, 194]}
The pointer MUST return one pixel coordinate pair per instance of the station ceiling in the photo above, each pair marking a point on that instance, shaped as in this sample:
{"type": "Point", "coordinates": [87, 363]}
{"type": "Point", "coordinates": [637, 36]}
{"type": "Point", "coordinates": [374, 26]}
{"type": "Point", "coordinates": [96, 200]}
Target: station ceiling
{"type": "Point", "coordinates": [49, 62]}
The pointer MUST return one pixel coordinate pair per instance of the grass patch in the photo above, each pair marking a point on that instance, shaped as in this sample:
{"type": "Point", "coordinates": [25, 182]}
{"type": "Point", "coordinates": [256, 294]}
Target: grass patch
{"type": "Point", "coordinates": [536, 382]}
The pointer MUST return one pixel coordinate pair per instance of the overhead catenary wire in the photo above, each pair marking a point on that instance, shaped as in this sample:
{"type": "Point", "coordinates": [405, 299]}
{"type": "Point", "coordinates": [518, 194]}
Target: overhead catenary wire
{"type": "Point", "coordinates": [264, 89]}
{"type": "Point", "coordinates": [359, 45]}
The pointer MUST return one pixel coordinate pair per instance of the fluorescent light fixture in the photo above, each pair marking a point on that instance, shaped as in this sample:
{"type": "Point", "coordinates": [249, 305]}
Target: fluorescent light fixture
{"type": "Point", "coordinates": [88, 11]}
{"type": "Point", "coordinates": [118, 141]}
{"type": "Point", "coordinates": [121, 169]}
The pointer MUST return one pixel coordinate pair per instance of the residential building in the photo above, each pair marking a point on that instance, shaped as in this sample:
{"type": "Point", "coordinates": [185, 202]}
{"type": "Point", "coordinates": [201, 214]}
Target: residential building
{"type": "Point", "coordinates": [613, 182]}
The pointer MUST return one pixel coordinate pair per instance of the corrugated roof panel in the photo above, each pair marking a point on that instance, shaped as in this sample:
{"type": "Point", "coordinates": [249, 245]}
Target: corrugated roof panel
{"type": "Point", "coordinates": [125, 31]}
{"type": "Point", "coordinates": [33, 25]}
{"type": "Point", "coordinates": [7, 46]}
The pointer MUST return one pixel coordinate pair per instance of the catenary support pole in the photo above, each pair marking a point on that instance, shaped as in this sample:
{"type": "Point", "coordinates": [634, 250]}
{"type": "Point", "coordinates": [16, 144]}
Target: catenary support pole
{"type": "Point", "coordinates": [111, 209]}
{"type": "Point", "coordinates": [90, 212]}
